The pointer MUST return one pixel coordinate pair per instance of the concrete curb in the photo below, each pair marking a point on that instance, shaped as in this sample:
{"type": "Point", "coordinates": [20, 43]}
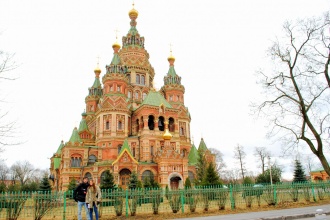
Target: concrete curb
{"type": "Point", "coordinates": [289, 217]}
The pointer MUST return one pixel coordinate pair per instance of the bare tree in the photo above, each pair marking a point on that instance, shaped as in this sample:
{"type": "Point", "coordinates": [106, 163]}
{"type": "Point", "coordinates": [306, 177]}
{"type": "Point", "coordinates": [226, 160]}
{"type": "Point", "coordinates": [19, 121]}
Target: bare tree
{"type": "Point", "coordinates": [22, 171]}
{"type": "Point", "coordinates": [7, 128]}
{"type": "Point", "coordinates": [4, 170]}
{"type": "Point", "coordinates": [240, 156]}
{"type": "Point", "coordinates": [220, 163]}
{"type": "Point", "coordinates": [261, 154]}
{"type": "Point", "coordinates": [298, 88]}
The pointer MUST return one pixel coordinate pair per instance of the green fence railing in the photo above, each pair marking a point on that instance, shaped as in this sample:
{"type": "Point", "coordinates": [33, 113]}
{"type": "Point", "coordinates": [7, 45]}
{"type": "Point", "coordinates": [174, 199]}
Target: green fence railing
{"type": "Point", "coordinates": [60, 205]}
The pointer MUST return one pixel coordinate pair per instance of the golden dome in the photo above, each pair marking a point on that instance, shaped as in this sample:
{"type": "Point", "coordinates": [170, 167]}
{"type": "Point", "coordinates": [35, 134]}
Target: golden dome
{"type": "Point", "coordinates": [167, 135]}
{"type": "Point", "coordinates": [171, 58]}
{"type": "Point", "coordinates": [133, 13]}
{"type": "Point", "coordinates": [116, 44]}
{"type": "Point", "coordinates": [97, 70]}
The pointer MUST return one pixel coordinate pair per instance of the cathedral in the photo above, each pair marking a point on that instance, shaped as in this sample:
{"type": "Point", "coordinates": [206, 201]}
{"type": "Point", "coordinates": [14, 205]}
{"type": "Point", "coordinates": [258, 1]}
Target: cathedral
{"type": "Point", "coordinates": [128, 126]}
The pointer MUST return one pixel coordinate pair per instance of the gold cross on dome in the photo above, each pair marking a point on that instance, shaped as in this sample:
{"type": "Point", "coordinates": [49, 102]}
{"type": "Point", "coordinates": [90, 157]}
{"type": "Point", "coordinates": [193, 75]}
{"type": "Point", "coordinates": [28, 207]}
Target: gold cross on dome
{"type": "Point", "coordinates": [171, 48]}
{"type": "Point", "coordinates": [98, 60]}
{"type": "Point", "coordinates": [116, 31]}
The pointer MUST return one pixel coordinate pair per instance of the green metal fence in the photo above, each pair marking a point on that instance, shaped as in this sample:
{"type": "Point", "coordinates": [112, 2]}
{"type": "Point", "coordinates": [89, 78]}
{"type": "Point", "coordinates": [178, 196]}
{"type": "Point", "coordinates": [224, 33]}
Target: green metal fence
{"type": "Point", "coordinates": [60, 205]}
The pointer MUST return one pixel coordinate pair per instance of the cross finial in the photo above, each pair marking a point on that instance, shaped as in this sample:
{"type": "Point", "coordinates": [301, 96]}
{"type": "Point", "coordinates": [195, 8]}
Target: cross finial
{"type": "Point", "coordinates": [133, 4]}
{"type": "Point", "coordinates": [98, 60]}
{"type": "Point", "coordinates": [116, 31]}
{"type": "Point", "coordinates": [171, 48]}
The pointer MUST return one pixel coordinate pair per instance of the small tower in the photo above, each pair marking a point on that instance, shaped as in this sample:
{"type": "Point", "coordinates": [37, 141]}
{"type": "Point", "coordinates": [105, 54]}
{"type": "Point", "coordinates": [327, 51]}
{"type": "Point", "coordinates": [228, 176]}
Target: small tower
{"type": "Point", "coordinates": [94, 93]}
{"type": "Point", "coordinates": [172, 89]}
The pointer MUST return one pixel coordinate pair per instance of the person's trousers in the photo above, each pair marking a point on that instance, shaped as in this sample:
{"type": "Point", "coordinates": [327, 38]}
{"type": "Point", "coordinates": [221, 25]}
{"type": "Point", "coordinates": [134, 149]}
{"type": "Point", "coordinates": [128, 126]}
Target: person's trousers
{"type": "Point", "coordinates": [80, 205]}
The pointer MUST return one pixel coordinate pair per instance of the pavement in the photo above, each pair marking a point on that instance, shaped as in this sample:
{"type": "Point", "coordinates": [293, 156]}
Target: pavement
{"type": "Point", "coordinates": [305, 213]}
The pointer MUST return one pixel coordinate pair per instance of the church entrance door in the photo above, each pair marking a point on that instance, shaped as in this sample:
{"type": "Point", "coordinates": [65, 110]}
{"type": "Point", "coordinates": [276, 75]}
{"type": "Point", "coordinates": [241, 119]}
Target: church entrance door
{"type": "Point", "coordinates": [174, 182]}
{"type": "Point", "coordinates": [124, 176]}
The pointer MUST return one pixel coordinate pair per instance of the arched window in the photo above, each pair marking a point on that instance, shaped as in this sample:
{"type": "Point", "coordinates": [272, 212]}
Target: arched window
{"type": "Point", "coordinates": [147, 174]}
{"type": "Point", "coordinates": [181, 131]}
{"type": "Point", "coordinates": [161, 123]}
{"type": "Point", "coordinates": [119, 148]}
{"type": "Point", "coordinates": [107, 125]}
{"type": "Point", "coordinates": [183, 152]}
{"type": "Point", "coordinates": [151, 123]}
{"type": "Point", "coordinates": [137, 125]}
{"type": "Point", "coordinates": [137, 79]}
{"type": "Point", "coordinates": [142, 122]}
{"type": "Point", "coordinates": [88, 175]}
{"type": "Point", "coordinates": [75, 161]}
{"type": "Point", "coordinates": [133, 151]}
{"type": "Point", "coordinates": [118, 88]}
{"type": "Point", "coordinates": [144, 95]}
{"type": "Point", "coordinates": [129, 94]}
{"type": "Point", "coordinates": [142, 80]}
{"type": "Point", "coordinates": [171, 125]}
{"type": "Point", "coordinates": [120, 125]}
{"type": "Point", "coordinates": [129, 78]}
{"type": "Point", "coordinates": [151, 150]}
{"type": "Point", "coordinates": [92, 158]}
{"type": "Point", "coordinates": [136, 95]}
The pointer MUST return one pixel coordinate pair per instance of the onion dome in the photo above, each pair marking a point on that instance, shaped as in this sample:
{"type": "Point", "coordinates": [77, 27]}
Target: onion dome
{"type": "Point", "coordinates": [97, 70]}
{"type": "Point", "coordinates": [171, 59]}
{"type": "Point", "coordinates": [116, 46]}
{"type": "Point", "coordinates": [167, 135]}
{"type": "Point", "coordinates": [133, 14]}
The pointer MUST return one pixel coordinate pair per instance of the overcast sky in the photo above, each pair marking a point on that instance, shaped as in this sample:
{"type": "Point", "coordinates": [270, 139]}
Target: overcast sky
{"type": "Point", "coordinates": [218, 46]}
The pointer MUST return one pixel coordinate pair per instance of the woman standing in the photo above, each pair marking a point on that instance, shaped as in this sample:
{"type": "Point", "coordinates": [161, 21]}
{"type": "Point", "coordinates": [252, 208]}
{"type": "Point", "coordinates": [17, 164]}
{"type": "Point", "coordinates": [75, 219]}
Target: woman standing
{"type": "Point", "coordinates": [93, 199]}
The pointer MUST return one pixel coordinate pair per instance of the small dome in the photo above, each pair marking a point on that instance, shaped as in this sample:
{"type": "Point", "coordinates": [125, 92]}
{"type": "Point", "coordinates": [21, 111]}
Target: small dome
{"type": "Point", "coordinates": [133, 14]}
{"type": "Point", "coordinates": [97, 70]}
{"type": "Point", "coordinates": [167, 135]}
{"type": "Point", "coordinates": [171, 58]}
{"type": "Point", "coordinates": [116, 45]}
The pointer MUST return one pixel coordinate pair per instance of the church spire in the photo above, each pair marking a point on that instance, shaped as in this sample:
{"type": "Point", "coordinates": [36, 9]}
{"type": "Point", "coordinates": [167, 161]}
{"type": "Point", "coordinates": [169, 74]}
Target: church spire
{"type": "Point", "coordinates": [96, 89]}
{"type": "Point", "coordinates": [133, 37]}
{"type": "Point", "coordinates": [172, 77]}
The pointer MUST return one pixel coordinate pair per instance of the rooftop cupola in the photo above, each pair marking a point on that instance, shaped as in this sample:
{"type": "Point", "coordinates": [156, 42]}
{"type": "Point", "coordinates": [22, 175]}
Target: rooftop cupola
{"type": "Point", "coordinates": [133, 37]}
{"type": "Point", "coordinates": [116, 65]}
{"type": "Point", "coordinates": [172, 77]}
{"type": "Point", "coordinates": [96, 89]}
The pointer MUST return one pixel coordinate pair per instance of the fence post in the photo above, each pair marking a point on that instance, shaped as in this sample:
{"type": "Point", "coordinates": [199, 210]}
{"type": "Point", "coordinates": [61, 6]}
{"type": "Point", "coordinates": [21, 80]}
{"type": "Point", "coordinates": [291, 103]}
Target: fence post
{"type": "Point", "coordinates": [64, 204]}
{"type": "Point", "coordinates": [126, 202]}
{"type": "Point", "coordinates": [232, 201]}
{"type": "Point", "coordinates": [182, 200]}
{"type": "Point", "coordinates": [275, 194]}
{"type": "Point", "coordinates": [313, 191]}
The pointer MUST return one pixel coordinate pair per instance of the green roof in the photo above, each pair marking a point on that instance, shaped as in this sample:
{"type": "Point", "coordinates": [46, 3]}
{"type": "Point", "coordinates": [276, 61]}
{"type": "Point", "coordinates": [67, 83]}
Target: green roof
{"type": "Point", "coordinates": [193, 155]}
{"type": "Point", "coordinates": [97, 83]}
{"type": "Point", "coordinates": [57, 163]}
{"type": "Point", "coordinates": [171, 71]}
{"type": "Point", "coordinates": [75, 136]}
{"type": "Point", "coordinates": [83, 125]}
{"type": "Point", "coordinates": [202, 146]}
{"type": "Point", "coordinates": [116, 59]}
{"type": "Point", "coordinates": [125, 146]}
{"type": "Point", "coordinates": [155, 99]}
{"type": "Point", "coordinates": [60, 148]}
{"type": "Point", "coordinates": [133, 30]}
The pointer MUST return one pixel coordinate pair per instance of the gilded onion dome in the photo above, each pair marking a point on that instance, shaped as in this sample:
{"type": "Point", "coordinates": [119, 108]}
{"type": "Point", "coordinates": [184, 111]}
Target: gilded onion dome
{"type": "Point", "coordinates": [167, 135]}
{"type": "Point", "coordinates": [133, 14]}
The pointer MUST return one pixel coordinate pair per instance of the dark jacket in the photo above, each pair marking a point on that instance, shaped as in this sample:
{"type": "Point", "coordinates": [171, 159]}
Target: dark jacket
{"type": "Point", "coordinates": [79, 194]}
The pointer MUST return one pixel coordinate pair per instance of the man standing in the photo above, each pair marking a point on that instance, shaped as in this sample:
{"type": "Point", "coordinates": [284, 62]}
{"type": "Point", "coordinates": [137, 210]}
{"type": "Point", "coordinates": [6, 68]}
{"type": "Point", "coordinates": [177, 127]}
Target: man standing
{"type": "Point", "coordinates": [79, 195]}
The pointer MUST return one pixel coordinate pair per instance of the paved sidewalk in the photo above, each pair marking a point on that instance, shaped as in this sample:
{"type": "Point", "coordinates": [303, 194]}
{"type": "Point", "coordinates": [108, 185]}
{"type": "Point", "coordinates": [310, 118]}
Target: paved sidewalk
{"type": "Point", "coordinates": [283, 214]}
